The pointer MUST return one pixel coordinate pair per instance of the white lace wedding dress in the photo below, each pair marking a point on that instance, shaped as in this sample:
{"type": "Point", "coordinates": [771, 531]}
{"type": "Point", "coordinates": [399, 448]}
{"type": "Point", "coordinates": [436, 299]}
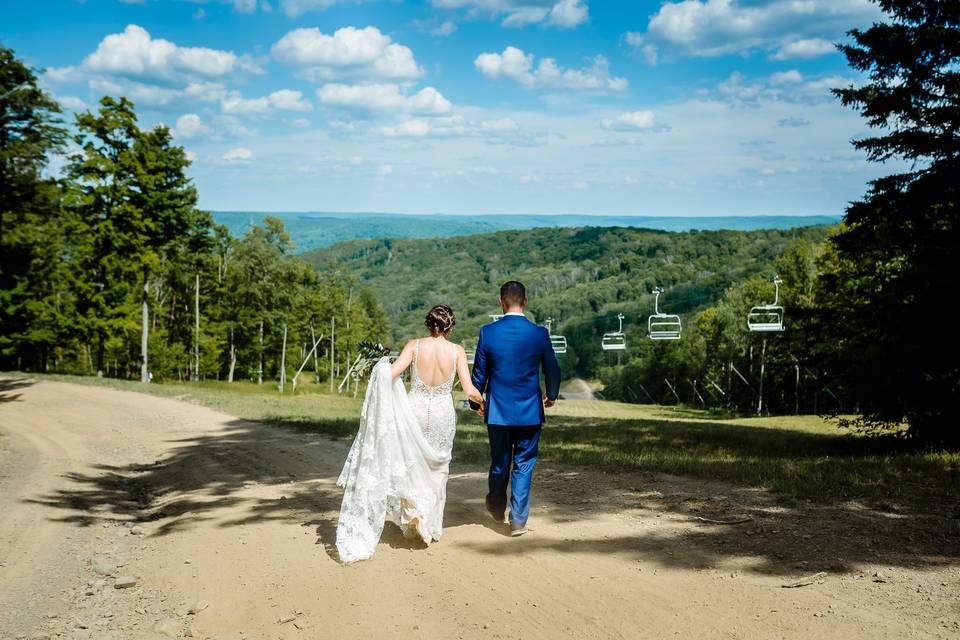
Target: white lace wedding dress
{"type": "Point", "coordinates": [398, 464]}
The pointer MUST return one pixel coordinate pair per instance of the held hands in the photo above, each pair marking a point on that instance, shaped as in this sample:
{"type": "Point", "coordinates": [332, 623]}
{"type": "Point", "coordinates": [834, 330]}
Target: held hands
{"type": "Point", "coordinates": [476, 401]}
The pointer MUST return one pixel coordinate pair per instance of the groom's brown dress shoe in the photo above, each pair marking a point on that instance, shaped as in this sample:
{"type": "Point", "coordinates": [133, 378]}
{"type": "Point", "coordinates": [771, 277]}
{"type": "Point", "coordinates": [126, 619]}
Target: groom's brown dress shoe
{"type": "Point", "coordinates": [517, 530]}
{"type": "Point", "coordinates": [498, 516]}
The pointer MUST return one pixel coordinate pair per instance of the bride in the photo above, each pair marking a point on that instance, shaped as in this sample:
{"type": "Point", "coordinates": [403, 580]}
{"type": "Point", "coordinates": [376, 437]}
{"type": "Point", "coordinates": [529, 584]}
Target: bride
{"type": "Point", "coordinates": [398, 464]}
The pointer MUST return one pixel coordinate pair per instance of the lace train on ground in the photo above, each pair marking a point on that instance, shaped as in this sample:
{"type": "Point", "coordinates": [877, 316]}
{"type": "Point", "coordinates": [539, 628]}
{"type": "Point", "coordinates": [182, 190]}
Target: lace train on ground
{"type": "Point", "coordinates": [392, 471]}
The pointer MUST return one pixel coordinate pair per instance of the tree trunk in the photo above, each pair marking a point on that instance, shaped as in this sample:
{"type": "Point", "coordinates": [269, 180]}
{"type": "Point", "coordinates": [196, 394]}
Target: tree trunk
{"type": "Point", "coordinates": [260, 368]}
{"type": "Point", "coordinates": [100, 353]}
{"type": "Point", "coordinates": [233, 357]}
{"type": "Point", "coordinates": [333, 329]}
{"type": "Point", "coordinates": [145, 331]}
{"type": "Point", "coordinates": [763, 362]}
{"type": "Point", "coordinates": [283, 360]}
{"type": "Point", "coordinates": [316, 348]}
{"type": "Point", "coordinates": [196, 333]}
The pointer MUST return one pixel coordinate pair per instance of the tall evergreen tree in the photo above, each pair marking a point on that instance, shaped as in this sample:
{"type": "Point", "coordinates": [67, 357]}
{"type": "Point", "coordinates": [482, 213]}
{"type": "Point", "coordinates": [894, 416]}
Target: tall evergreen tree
{"type": "Point", "coordinates": [31, 302]}
{"type": "Point", "coordinates": [100, 221]}
{"type": "Point", "coordinates": [893, 263]}
{"type": "Point", "coordinates": [162, 216]}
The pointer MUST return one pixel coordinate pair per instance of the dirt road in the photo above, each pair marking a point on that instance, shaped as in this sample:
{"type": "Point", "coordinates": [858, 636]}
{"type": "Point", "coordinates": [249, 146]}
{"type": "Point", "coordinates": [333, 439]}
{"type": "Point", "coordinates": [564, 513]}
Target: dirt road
{"type": "Point", "coordinates": [228, 528]}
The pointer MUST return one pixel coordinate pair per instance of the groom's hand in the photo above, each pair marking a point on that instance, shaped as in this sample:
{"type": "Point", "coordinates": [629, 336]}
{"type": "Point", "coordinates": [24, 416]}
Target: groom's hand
{"type": "Point", "coordinates": [477, 399]}
{"type": "Point", "coordinates": [547, 402]}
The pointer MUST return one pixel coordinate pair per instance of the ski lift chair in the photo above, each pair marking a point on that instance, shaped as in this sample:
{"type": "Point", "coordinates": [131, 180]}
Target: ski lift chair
{"type": "Point", "coordinates": [663, 326]}
{"type": "Point", "coordinates": [559, 343]}
{"type": "Point", "coordinates": [615, 340]}
{"type": "Point", "coordinates": [767, 317]}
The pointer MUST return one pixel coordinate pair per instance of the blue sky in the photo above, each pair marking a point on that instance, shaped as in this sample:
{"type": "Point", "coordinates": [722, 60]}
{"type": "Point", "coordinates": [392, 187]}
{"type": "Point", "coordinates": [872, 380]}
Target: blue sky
{"type": "Point", "coordinates": [683, 107]}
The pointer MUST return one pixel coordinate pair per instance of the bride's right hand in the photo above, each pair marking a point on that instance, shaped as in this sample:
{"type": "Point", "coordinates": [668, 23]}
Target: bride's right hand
{"type": "Point", "coordinates": [475, 397]}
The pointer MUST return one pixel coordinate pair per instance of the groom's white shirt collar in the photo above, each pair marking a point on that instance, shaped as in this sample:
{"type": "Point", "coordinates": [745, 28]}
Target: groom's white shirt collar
{"type": "Point", "coordinates": [514, 313]}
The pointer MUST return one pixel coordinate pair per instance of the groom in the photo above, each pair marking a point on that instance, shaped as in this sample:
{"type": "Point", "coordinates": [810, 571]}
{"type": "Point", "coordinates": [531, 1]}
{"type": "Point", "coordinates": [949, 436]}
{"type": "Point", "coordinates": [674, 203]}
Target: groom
{"type": "Point", "coordinates": [510, 354]}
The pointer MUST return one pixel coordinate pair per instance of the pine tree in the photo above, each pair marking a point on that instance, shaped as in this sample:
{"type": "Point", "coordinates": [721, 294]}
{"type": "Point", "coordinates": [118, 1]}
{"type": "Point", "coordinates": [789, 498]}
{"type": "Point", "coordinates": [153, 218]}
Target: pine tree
{"type": "Point", "coordinates": [32, 303]}
{"type": "Point", "coordinates": [892, 265]}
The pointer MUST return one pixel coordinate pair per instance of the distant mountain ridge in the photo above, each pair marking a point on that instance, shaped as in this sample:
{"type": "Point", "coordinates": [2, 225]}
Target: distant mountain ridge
{"type": "Point", "coordinates": [323, 229]}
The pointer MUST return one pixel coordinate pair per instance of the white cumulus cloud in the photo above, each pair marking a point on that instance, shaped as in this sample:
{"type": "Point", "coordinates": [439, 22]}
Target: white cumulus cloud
{"type": "Point", "coordinates": [786, 86]}
{"type": "Point", "coordinates": [238, 155]}
{"type": "Point", "coordinates": [805, 48]}
{"type": "Point", "coordinates": [72, 102]}
{"type": "Point", "coordinates": [634, 121]}
{"type": "Point", "coordinates": [785, 28]}
{"type": "Point", "coordinates": [383, 97]}
{"type": "Point", "coordinates": [349, 51]}
{"type": "Point", "coordinates": [568, 13]}
{"type": "Point", "coordinates": [190, 125]}
{"type": "Point", "coordinates": [563, 14]}
{"type": "Point", "coordinates": [153, 71]}
{"type": "Point", "coordinates": [516, 65]}
{"type": "Point", "coordinates": [284, 100]}
{"type": "Point", "coordinates": [134, 53]}
{"type": "Point", "coordinates": [294, 8]}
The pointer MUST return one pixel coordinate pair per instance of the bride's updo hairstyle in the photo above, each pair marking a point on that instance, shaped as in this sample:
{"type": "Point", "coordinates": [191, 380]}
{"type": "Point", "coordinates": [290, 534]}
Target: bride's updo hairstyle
{"type": "Point", "coordinates": [440, 320]}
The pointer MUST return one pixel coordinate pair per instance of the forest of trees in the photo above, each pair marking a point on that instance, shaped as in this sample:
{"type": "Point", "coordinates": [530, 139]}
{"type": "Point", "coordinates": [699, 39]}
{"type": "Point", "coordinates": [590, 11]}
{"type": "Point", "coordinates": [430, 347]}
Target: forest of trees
{"type": "Point", "coordinates": [582, 278]}
{"type": "Point", "coordinates": [109, 267]}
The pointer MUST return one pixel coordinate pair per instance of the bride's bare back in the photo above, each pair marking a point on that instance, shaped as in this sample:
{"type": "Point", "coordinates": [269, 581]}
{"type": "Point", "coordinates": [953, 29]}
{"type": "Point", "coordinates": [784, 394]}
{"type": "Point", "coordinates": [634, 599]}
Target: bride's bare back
{"type": "Point", "coordinates": [437, 358]}
{"type": "Point", "coordinates": [435, 361]}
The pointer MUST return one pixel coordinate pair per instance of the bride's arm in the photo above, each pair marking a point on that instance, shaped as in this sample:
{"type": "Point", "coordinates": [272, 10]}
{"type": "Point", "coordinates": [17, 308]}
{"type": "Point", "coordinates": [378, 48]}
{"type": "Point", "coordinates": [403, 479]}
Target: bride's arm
{"type": "Point", "coordinates": [402, 362]}
{"type": "Point", "coordinates": [464, 373]}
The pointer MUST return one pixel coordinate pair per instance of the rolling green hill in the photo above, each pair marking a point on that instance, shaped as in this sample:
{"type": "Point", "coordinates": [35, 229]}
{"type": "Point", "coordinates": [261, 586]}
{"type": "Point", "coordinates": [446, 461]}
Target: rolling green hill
{"type": "Point", "coordinates": [315, 230]}
{"type": "Point", "coordinates": [582, 277]}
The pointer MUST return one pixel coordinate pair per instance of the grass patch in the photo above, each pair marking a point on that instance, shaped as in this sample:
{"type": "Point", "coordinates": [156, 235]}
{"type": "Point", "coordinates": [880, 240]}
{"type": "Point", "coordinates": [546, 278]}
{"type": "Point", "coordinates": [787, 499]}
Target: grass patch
{"type": "Point", "coordinates": [795, 456]}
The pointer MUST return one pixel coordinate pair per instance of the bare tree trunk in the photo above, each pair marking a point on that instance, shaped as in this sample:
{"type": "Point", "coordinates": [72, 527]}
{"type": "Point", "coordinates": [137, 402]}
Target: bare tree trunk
{"type": "Point", "coordinates": [196, 332]}
{"type": "Point", "coordinates": [233, 357]}
{"type": "Point", "coordinates": [283, 360]}
{"type": "Point", "coordinates": [145, 330]}
{"type": "Point", "coordinates": [260, 368]}
{"type": "Point", "coordinates": [316, 361]}
{"type": "Point", "coordinates": [333, 329]}
{"type": "Point", "coordinates": [763, 361]}
{"type": "Point", "coordinates": [101, 353]}
{"type": "Point", "coordinates": [796, 391]}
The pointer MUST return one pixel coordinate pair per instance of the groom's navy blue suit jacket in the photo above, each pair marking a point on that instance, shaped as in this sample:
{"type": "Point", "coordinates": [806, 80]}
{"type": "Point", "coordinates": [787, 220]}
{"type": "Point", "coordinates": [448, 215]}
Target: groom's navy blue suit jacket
{"type": "Point", "coordinates": [510, 354]}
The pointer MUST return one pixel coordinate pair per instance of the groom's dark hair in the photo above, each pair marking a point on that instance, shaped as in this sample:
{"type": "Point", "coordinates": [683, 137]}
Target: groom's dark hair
{"type": "Point", "coordinates": [513, 292]}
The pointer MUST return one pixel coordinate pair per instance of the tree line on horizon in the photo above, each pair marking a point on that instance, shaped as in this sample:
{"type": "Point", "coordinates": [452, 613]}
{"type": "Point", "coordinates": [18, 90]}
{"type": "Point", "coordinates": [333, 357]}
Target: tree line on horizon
{"type": "Point", "coordinates": [109, 267]}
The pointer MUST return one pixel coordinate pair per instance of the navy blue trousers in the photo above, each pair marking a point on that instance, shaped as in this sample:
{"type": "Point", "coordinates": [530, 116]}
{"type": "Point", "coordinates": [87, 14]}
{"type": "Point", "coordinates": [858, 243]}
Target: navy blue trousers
{"type": "Point", "coordinates": [513, 455]}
